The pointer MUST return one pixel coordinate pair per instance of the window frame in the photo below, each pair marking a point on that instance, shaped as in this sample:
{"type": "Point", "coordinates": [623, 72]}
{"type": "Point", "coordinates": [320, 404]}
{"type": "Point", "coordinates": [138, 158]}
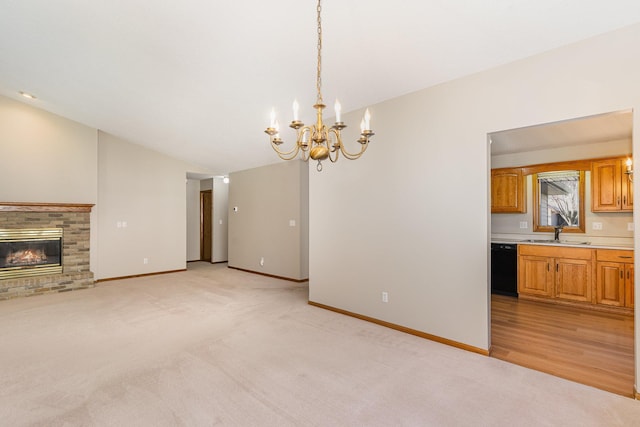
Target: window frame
{"type": "Point", "coordinates": [536, 204]}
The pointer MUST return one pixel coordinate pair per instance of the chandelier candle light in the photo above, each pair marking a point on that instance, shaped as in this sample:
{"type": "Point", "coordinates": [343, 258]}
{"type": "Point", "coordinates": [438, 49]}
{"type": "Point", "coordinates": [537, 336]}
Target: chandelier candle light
{"type": "Point", "coordinates": [318, 141]}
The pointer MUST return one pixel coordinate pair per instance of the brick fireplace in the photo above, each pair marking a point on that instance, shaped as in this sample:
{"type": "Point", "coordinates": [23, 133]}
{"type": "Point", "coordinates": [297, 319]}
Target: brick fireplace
{"type": "Point", "coordinates": [74, 222]}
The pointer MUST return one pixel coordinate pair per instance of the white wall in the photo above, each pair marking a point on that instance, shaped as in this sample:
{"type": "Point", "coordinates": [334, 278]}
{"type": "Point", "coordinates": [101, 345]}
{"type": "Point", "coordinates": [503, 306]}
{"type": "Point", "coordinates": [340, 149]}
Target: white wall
{"type": "Point", "coordinates": [47, 158]}
{"type": "Point", "coordinates": [193, 220]}
{"type": "Point", "coordinates": [267, 199]}
{"type": "Point", "coordinates": [411, 217]}
{"type": "Point", "coordinates": [146, 190]}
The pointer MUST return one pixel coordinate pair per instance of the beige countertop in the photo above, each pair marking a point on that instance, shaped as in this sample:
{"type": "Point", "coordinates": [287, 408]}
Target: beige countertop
{"type": "Point", "coordinates": [568, 243]}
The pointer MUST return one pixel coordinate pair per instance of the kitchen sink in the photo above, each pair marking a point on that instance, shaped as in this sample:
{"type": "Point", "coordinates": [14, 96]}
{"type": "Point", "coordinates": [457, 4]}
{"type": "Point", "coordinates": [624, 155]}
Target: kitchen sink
{"type": "Point", "coordinates": [561, 242]}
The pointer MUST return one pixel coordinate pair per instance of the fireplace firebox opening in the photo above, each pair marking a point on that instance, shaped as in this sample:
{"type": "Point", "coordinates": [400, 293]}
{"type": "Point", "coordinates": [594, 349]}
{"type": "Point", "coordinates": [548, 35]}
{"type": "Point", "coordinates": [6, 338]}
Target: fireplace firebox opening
{"type": "Point", "coordinates": [30, 252]}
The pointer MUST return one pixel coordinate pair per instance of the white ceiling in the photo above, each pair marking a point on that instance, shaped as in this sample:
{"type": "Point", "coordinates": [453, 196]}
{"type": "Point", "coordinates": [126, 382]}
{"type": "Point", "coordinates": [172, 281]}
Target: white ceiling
{"type": "Point", "coordinates": [584, 130]}
{"type": "Point", "coordinates": [196, 79]}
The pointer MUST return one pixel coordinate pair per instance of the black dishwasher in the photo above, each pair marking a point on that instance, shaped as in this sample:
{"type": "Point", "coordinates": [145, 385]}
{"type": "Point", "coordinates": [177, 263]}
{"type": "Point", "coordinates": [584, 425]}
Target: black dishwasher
{"type": "Point", "coordinates": [504, 269]}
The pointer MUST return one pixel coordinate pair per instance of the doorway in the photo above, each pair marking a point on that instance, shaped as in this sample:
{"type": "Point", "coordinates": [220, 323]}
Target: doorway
{"type": "Point", "coordinates": [579, 344]}
{"type": "Point", "coordinates": [206, 237]}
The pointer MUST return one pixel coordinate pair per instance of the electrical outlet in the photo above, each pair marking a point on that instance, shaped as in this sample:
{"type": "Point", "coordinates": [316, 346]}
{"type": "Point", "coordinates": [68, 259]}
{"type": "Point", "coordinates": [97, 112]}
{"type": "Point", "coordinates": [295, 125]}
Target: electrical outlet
{"type": "Point", "coordinates": [145, 260]}
{"type": "Point", "coordinates": [523, 224]}
{"type": "Point", "coordinates": [385, 297]}
{"type": "Point", "coordinates": [630, 226]}
{"type": "Point", "coordinates": [596, 225]}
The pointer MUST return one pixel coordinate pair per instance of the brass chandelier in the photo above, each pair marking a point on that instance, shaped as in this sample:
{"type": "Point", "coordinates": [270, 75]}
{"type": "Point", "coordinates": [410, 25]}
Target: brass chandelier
{"type": "Point", "coordinates": [318, 141]}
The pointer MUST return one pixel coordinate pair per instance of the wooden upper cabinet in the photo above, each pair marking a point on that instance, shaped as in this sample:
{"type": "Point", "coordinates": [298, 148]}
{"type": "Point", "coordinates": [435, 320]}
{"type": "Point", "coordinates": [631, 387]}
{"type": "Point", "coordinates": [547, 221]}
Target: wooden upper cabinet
{"type": "Point", "coordinates": [627, 192]}
{"type": "Point", "coordinates": [611, 190]}
{"type": "Point", "coordinates": [508, 191]}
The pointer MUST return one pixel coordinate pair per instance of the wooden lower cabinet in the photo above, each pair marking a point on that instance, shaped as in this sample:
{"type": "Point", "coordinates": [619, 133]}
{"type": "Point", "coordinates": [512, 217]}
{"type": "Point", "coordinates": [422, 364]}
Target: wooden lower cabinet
{"type": "Point", "coordinates": [614, 283]}
{"type": "Point", "coordinates": [573, 279]}
{"type": "Point", "coordinates": [597, 278]}
{"type": "Point", "coordinates": [535, 276]}
{"type": "Point", "coordinates": [610, 284]}
{"type": "Point", "coordinates": [556, 272]}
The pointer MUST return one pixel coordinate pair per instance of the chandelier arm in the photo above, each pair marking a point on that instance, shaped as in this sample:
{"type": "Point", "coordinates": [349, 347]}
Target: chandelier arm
{"type": "Point", "coordinates": [354, 156]}
{"type": "Point", "coordinates": [363, 141]}
{"type": "Point", "coordinates": [334, 157]}
{"type": "Point", "coordinates": [286, 155]}
{"type": "Point", "coordinates": [275, 146]}
{"type": "Point", "coordinates": [291, 154]}
{"type": "Point", "coordinates": [305, 149]}
{"type": "Point", "coordinates": [305, 155]}
{"type": "Point", "coordinates": [335, 144]}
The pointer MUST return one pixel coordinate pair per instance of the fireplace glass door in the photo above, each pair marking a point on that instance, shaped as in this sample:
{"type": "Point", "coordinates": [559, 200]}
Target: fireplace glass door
{"type": "Point", "coordinates": [27, 252]}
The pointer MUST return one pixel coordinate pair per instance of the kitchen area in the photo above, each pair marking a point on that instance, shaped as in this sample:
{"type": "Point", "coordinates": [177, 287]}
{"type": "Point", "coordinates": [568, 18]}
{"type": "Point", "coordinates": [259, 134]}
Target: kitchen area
{"type": "Point", "coordinates": [562, 256]}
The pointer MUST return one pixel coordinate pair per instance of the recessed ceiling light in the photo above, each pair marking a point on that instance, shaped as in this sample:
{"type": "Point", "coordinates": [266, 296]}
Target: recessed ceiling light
{"type": "Point", "coordinates": [27, 95]}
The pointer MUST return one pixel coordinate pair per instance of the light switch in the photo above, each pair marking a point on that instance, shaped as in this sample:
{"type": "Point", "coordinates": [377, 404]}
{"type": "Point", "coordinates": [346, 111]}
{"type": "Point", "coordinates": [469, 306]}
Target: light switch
{"type": "Point", "coordinates": [596, 225]}
{"type": "Point", "coordinates": [630, 226]}
{"type": "Point", "coordinates": [292, 223]}
{"type": "Point", "coordinates": [523, 224]}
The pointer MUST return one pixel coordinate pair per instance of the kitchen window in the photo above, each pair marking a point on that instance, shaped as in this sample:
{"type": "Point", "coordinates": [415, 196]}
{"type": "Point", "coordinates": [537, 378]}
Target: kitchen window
{"type": "Point", "coordinates": [559, 201]}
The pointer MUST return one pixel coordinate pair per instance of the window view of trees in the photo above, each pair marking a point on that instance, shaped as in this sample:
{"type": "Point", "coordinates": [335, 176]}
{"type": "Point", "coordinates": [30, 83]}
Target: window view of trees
{"type": "Point", "coordinates": [559, 198]}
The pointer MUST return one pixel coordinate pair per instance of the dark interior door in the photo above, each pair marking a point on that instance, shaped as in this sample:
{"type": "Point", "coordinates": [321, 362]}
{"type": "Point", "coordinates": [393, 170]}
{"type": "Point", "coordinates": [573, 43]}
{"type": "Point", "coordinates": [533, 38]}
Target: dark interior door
{"type": "Point", "coordinates": [206, 212]}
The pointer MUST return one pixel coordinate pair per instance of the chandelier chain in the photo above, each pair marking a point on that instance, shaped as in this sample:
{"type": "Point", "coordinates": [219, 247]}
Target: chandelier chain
{"type": "Point", "coordinates": [319, 70]}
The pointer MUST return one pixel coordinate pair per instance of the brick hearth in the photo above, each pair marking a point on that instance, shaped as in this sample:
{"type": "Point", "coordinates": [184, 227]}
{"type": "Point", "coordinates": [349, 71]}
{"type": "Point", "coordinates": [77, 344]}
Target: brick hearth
{"type": "Point", "coordinates": [74, 219]}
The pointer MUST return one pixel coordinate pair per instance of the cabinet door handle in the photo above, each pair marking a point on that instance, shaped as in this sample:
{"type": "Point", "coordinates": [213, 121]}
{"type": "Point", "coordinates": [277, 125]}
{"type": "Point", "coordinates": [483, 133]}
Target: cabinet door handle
{"type": "Point", "coordinates": [624, 199]}
{"type": "Point", "coordinates": [557, 268]}
{"type": "Point", "coordinates": [625, 256]}
{"type": "Point", "coordinates": [547, 266]}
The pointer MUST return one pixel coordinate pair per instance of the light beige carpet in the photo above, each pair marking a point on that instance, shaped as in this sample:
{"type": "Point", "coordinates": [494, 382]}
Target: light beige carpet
{"type": "Point", "coordinates": [215, 346]}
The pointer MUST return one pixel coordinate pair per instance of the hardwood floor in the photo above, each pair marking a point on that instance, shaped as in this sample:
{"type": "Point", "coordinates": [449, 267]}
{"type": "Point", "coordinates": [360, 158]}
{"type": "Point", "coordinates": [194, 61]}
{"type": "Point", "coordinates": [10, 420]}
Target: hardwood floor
{"type": "Point", "coordinates": [580, 345]}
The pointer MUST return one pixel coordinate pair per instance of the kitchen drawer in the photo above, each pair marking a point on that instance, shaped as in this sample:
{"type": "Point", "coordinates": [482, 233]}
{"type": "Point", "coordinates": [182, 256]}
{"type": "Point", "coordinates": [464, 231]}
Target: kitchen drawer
{"type": "Point", "coordinates": [556, 251]}
{"type": "Point", "coordinates": [614, 255]}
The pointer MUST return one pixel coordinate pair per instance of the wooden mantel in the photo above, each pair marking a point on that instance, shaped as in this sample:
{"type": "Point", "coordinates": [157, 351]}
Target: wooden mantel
{"type": "Point", "coordinates": [44, 207]}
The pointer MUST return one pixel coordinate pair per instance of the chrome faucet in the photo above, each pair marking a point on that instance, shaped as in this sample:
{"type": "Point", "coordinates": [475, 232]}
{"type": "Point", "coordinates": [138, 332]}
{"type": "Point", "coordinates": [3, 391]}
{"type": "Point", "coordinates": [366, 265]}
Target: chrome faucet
{"type": "Point", "coordinates": [557, 231]}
